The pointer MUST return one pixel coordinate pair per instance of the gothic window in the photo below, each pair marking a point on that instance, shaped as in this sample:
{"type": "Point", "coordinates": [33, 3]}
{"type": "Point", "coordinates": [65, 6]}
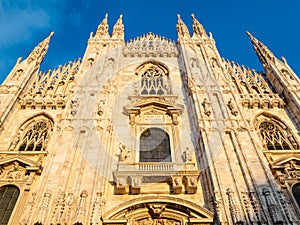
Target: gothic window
{"type": "Point", "coordinates": [154, 83]}
{"type": "Point", "coordinates": [275, 137]}
{"type": "Point", "coordinates": [155, 146]}
{"type": "Point", "coordinates": [8, 197]}
{"type": "Point", "coordinates": [35, 136]}
{"type": "Point", "coordinates": [296, 193]}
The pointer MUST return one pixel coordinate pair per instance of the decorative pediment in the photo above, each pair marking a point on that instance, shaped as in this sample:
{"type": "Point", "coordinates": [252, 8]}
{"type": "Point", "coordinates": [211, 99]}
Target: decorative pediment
{"type": "Point", "coordinates": [19, 170]}
{"type": "Point", "coordinates": [286, 169]}
{"type": "Point", "coordinates": [151, 105]}
{"type": "Point", "coordinates": [287, 159]}
{"type": "Point", "coordinates": [21, 160]}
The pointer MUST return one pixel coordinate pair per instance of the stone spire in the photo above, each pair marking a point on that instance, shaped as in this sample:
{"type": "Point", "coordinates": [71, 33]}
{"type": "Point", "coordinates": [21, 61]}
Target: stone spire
{"type": "Point", "coordinates": [182, 30]}
{"type": "Point", "coordinates": [39, 52]}
{"type": "Point", "coordinates": [102, 30]}
{"type": "Point", "coordinates": [263, 53]}
{"type": "Point", "coordinates": [198, 28]}
{"type": "Point", "coordinates": [118, 30]}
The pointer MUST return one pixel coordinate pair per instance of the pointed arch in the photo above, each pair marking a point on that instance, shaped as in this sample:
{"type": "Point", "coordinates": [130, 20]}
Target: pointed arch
{"type": "Point", "coordinates": [33, 134]}
{"type": "Point", "coordinates": [274, 133]}
{"type": "Point", "coordinates": [8, 198]}
{"type": "Point", "coordinates": [154, 78]}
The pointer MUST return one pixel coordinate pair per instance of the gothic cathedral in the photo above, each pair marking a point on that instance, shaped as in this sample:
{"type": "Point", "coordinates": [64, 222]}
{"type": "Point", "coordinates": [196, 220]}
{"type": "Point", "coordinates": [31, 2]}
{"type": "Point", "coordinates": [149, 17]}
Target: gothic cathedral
{"type": "Point", "coordinates": [150, 132]}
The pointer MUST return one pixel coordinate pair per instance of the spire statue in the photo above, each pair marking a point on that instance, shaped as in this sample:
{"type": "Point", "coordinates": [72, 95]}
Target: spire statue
{"type": "Point", "coordinates": [102, 30]}
{"type": "Point", "coordinates": [182, 29]}
{"type": "Point", "coordinates": [118, 30]}
{"type": "Point", "coordinates": [197, 27]}
{"type": "Point", "coordinates": [39, 52]}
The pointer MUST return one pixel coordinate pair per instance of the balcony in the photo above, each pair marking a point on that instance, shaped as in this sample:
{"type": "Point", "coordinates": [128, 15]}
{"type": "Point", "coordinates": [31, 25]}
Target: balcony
{"type": "Point", "coordinates": [131, 177]}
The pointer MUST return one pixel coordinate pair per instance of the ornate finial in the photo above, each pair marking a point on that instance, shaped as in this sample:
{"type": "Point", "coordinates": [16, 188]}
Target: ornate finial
{"type": "Point", "coordinates": [118, 30]}
{"type": "Point", "coordinates": [182, 29]}
{"type": "Point", "coordinates": [197, 27]}
{"type": "Point", "coordinates": [40, 51]}
{"type": "Point", "coordinates": [102, 30]}
{"type": "Point", "coordinates": [261, 50]}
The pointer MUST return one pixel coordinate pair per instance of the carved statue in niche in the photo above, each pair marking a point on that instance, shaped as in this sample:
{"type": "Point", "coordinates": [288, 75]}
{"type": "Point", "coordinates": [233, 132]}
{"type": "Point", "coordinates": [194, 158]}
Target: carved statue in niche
{"type": "Point", "coordinates": [14, 172]}
{"type": "Point", "coordinates": [207, 107]}
{"type": "Point", "coordinates": [232, 107]}
{"type": "Point", "coordinates": [124, 153]}
{"type": "Point", "coordinates": [187, 156]}
{"type": "Point", "coordinates": [17, 74]}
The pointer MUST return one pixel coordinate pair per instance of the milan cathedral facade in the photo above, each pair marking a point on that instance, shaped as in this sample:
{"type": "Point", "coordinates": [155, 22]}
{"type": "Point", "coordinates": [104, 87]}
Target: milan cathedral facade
{"type": "Point", "coordinates": [150, 132]}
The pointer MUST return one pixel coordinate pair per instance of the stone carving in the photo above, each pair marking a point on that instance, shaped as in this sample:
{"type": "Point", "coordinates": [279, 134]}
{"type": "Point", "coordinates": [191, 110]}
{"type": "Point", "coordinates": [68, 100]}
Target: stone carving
{"type": "Point", "coordinates": [74, 105]}
{"type": "Point", "coordinates": [58, 209]}
{"type": "Point", "coordinates": [234, 209]}
{"type": "Point", "coordinates": [286, 205]}
{"type": "Point", "coordinates": [51, 82]}
{"type": "Point", "coordinates": [272, 206]}
{"type": "Point", "coordinates": [67, 208]}
{"type": "Point", "coordinates": [197, 27]}
{"type": "Point", "coordinates": [17, 74]}
{"type": "Point", "coordinates": [118, 30]}
{"type": "Point", "coordinates": [182, 30]}
{"type": "Point", "coordinates": [102, 30]}
{"type": "Point", "coordinates": [150, 45]}
{"type": "Point", "coordinates": [39, 52]}
{"type": "Point", "coordinates": [12, 171]}
{"type": "Point", "coordinates": [124, 153]}
{"type": "Point", "coordinates": [97, 209]}
{"type": "Point", "coordinates": [176, 184]}
{"type": "Point", "coordinates": [155, 210]}
{"type": "Point", "coordinates": [292, 170]}
{"type": "Point", "coordinates": [44, 207]}
{"type": "Point", "coordinates": [232, 108]}
{"type": "Point", "coordinates": [188, 156]}
{"type": "Point", "coordinates": [254, 90]}
{"type": "Point", "coordinates": [150, 221]}
{"type": "Point", "coordinates": [206, 106]}
{"type": "Point", "coordinates": [276, 137]}
{"type": "Point", "coordinates": [80, 212]}
{"type": "Point", "coordinates": [100, 107]}
{"type": "Point", "coordinates": [217, 202]}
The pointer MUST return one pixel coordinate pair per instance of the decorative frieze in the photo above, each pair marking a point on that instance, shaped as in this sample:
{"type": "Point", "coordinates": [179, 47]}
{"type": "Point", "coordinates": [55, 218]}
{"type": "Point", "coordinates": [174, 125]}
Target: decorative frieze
{"type": "Point", "coordinates": [150, 45]}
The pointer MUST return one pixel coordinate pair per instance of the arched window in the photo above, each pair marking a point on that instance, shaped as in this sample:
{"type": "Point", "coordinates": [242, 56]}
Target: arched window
{"type": "Point", "coordinates": [35, 137]}
{"type": "Point", "coordinates": [154, 79]}
{"type": "Point", "coordinates": [153, 83]}
{"type": "Point", "coordinates": [155, 146]}
{"type": "Point", "coordinates": [275, 137]}
{"type": "Point", "coordinates": [8, 197]}
{"type": "Point", "coordinates": [296, 193]}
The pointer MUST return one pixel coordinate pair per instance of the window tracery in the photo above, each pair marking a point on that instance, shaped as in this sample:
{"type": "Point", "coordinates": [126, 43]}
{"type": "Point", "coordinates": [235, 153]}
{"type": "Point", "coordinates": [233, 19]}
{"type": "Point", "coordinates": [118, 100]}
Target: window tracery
{"type": "Point", "coordinates": [154, 83]}
{"type": "Point", "coordinates": [276, 137]}
{"type": "Point", "coordinates": [8, 197]}
{"type": "Point", "coordinates": [33, 135]}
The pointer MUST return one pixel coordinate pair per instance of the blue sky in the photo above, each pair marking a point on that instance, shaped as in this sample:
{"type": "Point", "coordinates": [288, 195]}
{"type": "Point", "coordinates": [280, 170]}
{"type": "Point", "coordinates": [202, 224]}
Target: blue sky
{"type": "Point", "coordinates": [24, 23]}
